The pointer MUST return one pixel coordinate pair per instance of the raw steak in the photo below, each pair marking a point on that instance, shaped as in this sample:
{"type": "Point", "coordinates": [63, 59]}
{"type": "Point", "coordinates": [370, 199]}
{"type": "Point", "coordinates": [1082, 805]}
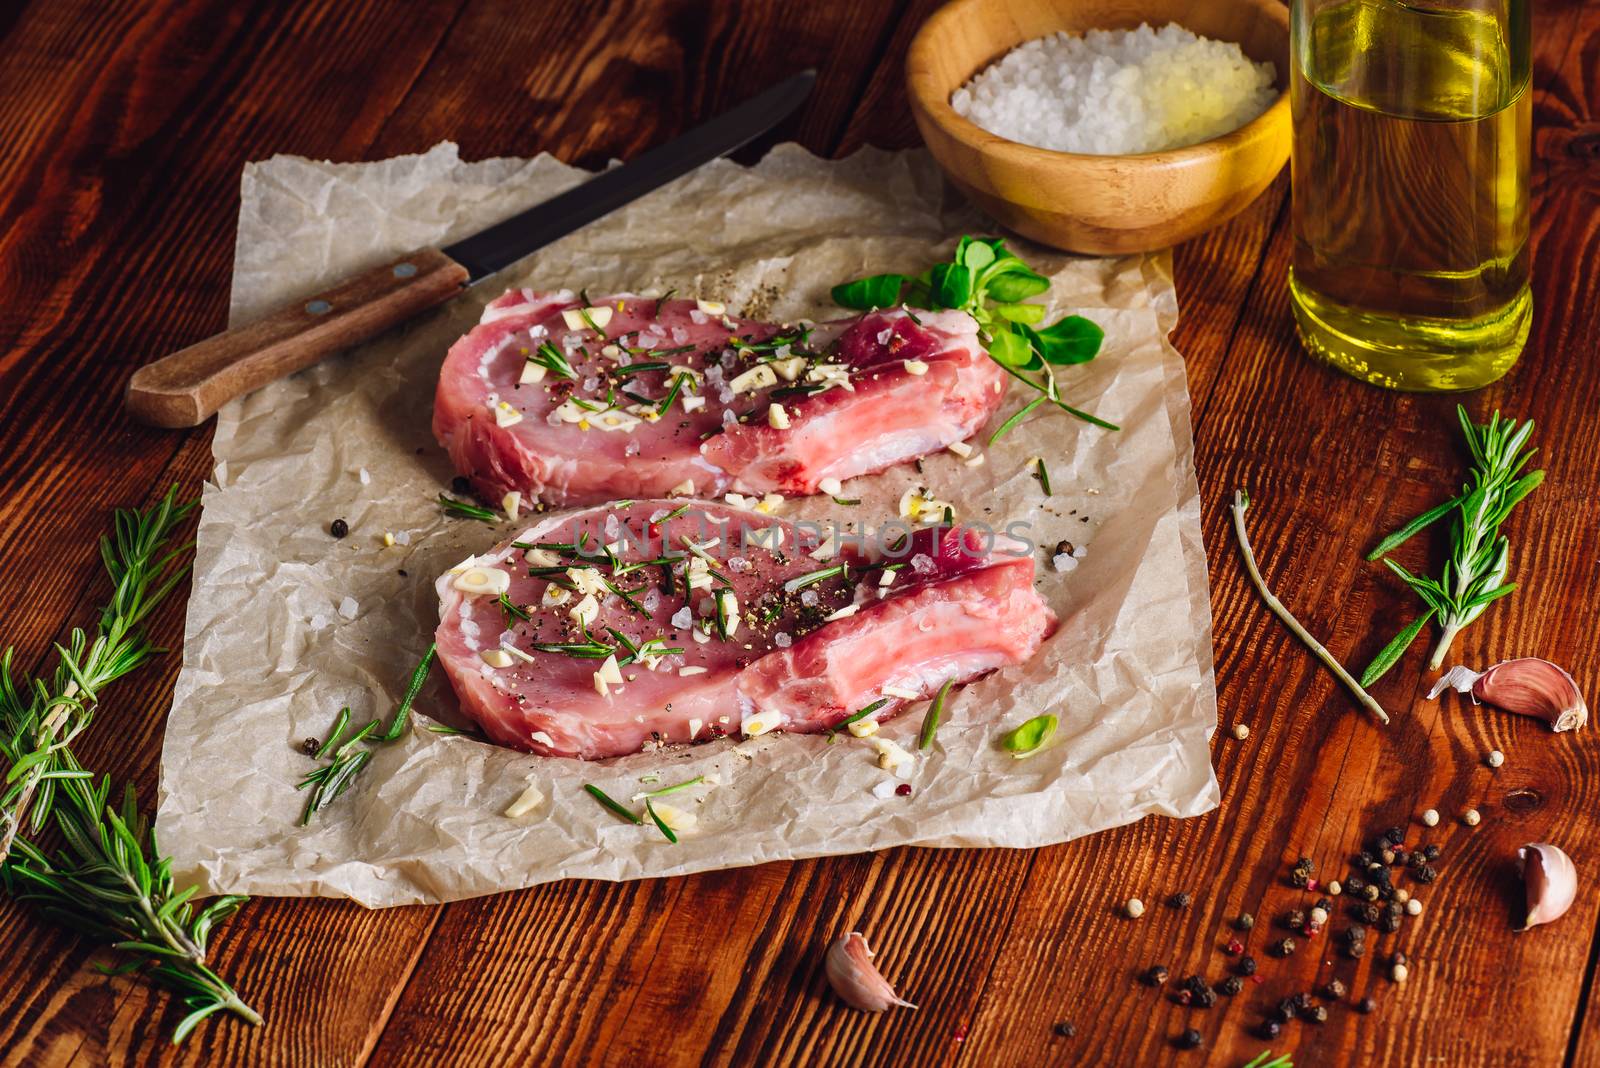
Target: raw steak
{"type": "Point", "coordinates": [631, 397]}
{"type": "Point", "coordinates": [613, 658]}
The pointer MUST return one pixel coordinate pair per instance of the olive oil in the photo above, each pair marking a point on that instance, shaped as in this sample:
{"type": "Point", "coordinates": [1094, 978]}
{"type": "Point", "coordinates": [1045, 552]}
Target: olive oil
{"type": "Point", "coordinates": [1410, 213]}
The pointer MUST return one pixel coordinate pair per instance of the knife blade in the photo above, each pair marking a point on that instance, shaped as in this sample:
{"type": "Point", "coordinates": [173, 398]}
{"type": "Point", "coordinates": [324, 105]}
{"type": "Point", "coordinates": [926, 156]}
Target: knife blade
{"type": "Point", "coordinates": [187, 387]}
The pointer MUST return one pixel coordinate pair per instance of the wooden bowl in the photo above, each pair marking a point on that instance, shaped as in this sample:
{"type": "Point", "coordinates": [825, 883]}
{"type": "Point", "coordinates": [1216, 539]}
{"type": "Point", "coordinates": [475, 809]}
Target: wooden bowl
{"type": "Point", "coordinates": [1097, 204]}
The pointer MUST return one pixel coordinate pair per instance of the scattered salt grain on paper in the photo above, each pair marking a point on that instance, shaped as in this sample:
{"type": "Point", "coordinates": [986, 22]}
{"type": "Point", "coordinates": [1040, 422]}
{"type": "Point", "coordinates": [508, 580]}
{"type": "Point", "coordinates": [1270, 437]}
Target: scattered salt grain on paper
{"type": "Point", "coordinates": [1115, 92]}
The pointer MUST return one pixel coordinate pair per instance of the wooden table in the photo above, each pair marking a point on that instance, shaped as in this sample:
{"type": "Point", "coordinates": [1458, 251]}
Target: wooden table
{"type": "Point", "coordinates": [123, 128]}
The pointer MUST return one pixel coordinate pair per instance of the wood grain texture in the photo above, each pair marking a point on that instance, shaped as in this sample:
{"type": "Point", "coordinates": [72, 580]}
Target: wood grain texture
{"type": "Point", "coordinates": [125, 129]}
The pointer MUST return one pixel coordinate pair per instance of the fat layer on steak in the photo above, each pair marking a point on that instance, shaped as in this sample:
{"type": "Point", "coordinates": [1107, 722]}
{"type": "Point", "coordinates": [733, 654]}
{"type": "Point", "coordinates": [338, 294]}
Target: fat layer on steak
{"type": "Point", "coordinates": [615, 629]}
{"type": "Point", "coordinates": [633, 397]}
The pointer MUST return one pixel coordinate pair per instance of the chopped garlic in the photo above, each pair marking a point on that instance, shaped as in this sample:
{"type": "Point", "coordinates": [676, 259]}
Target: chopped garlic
{"type": "Point", "coordinates": [586, 611]}
{"type": "Point", "coordinates": [760, 723]}
{"type": "Point", "coordinates": [739, 500]}
{"type": "Point", "coordinates": [511, 504]}
{"type": "Point", "coordinates": [531, 373]}
{"type": "Point", "coordinates": [916, 367]}
{"type": "Point", "coordinates": [843, 613]}
{"type": "Point", "coordinates": [588, 580]}
{"type": "Point", "coordinates": [960, 448]}
{"type": "Point", "coordinates": [518, 653]}
{"type": "Point", "coordinates": [831, 486]}
{"type": "Point", "coordinates": [901, 692]}
{"type": "Point", "coordinates": [891, 757]}
{"type": "Point", "coordinates": [526, 802]}
{"type": "Point", "coordinates": [610, 351]}
{"type": "Point", "coordinates": [976, 461]}
{"type": "Point", "coordinates": [674, 817]}
{"type": "Point", "coordinates": [758, 377]}
{"type": "Point", "coordinates": [599, 316]}
{"type": "Point", "coordinates": [497, 657]}
{"type": "Point", "coordinates": [863, 728]}
{"type": "Point", "coordinates": [711, 307]}
{"type": "Point", "coordinates": [887, 578]}
{"type": "Point", "coordinates": [555, 595]}
{"type": "Point", "coordinates": [388, 537]}
{"type": "Point", "coordinates": [610, 671]}
{"type": "Point", "coordinates": [777, 418]}
{"type": "Point", "coordinates": [682, 489]}
{"type": "Point", "coordinates": [541, 558]}
{"type": "Point", "coordinates": [505, 415]}
{"type": "Point", "coordinates": [693, 404]}
{"type": "Point", "coordinates": [771, 504]}
{"type": "Point", "coordinates": [789, 369]}
{"type": "Point", "coordinates": [482, 581]}
{"type": "Point", "coordinates": [695, 724]}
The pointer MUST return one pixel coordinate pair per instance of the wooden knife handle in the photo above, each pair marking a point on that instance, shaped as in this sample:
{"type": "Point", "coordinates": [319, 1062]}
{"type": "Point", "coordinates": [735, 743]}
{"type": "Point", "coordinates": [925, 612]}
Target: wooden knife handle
{"type": "Point", "coordinates": [186, 388]}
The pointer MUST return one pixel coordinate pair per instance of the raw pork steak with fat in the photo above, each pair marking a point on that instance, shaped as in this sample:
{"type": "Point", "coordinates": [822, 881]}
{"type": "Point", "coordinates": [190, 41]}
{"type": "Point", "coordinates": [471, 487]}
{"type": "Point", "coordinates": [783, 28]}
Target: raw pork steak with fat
{"type": "Point", "coordinates": [575, 403]}
{"type": "Point", "coordinates": [611, 630]}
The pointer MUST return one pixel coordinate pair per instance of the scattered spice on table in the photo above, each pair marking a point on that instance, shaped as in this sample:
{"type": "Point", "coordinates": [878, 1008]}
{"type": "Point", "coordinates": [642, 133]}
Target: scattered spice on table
{"type": "Point", "coordinates": [1066, 1029]}
{"type": "Point", "coordinates": [1495, 758]}
{"type": "Point", "coordinates": [1134, 908]}
{"type": "Point", "coordinates": [338, 528]}
{"type": "Point", "coordinates": [1180, 900]}
{"type": "Point", "coordinates": [1189, 1039]}
{"type": "Point", "coordinates": [1471, 817]}
{"type": "Point", "coordinates": [1155, 975]}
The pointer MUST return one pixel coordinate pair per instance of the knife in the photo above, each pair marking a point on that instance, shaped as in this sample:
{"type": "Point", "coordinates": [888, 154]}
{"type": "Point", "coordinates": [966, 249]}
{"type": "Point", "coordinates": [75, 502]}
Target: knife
{"type": "Point", "coordinates": [187, 387]}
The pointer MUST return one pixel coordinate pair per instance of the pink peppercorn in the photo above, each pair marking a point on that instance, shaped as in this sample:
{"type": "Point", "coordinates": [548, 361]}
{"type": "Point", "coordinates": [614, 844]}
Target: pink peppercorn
{"type": "Point", "coordinates": [904, 789]}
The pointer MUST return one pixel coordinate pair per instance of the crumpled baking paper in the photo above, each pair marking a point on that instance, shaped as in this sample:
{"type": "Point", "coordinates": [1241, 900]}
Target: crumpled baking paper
{"type": "Point", "coordinates": [286, 624]}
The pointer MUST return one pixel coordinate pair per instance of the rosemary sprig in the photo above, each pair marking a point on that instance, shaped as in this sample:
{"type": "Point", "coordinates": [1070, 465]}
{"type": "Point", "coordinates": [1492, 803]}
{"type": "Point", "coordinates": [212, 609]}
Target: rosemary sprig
{"type": "Point", "coordinates": [930, 721]}
{"type": "Point", "coordinates": [108, 880]}
{"type": "Point", "coordinates": [661, 824]}
{"type": "Point", "coordinates": [1241, 501]}
{"type": "Point", "coordinates": [345, 759]}
{"type": "Point", "coordinates": [464, 510]}
{"type": "Point", "coordinates": [616, 808]}
{"type": "Point", "coordinates": [40, 719]}
{"type": "Point", "coordinates": [1474, 575]}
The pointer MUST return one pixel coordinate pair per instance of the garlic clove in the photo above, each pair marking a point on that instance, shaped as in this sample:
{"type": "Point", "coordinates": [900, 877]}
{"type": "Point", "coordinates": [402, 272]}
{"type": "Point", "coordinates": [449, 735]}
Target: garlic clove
{"type": "Point", "coordinates": [1551, 881]}
{"type": "Point", "coordinates": [855, 979]}
{"type": "Point", "coordinates": [1528, 686]}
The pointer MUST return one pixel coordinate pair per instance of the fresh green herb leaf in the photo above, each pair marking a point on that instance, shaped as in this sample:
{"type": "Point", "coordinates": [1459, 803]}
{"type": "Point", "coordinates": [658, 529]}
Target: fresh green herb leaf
{"type": "Point", "coordinates": [1010, 349]}
{"type": "Point", "coordinates": [1021, 414]}
{"type": "Point", "coordinates": [661, 824]}
{"type": "Point", "coordinates": [848, 502]}
{"type": "Point", "coordinates": [553, 360]}
{"type": "Point", "coordinates": [463, 510]}
{"type": "Point", "coordinates": [1020, 313]}
{"type": "Point", "coordinates": [862, 713]}
{"type": "Point", "coordinates": [1041, 473]}
{"type": "Point", "coordinates": [510, 612]}
{"type": "Point", "coordinates": [1072, 340]}
{"type": "Point", "coordinates": [616, 809]}
{"type": "Point", "coordinates": [675, 787]}
{"type": "Point", "coordinates": [875, 291]}
{"type": "Point", "coordinates": [930, 721]}
{"type": "Point", "coordinates": [1016, 284]}
{"type": "Point", "coordinates": [1031, 735]}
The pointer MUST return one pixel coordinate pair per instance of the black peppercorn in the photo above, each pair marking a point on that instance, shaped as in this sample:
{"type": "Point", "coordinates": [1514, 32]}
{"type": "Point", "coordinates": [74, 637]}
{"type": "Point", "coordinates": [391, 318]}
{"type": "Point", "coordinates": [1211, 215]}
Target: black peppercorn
{"type": "Point", "coordinates": [1395, 835]}
{"type": "Point", "coordinates": [1324, 904]}
{"type": "Point", "coordinates": [1390, 923]}
{"type": "Point", "coordinates": [1285, 1011]}
{"type": "Point", "coordinates": [1399, 958]}
{"type": "Point", "coordinates": [1387, 856]}
{"type": "Point", "coordinates": [1284, 948]}
{"type": "Point", "coordinates": [460, 485]}
{"type": "Point", "coordinates": [1190, 1039]}
{"type": "Point", "coordinates": [1155, 975]}
{"type": "Point", "coordinates": [1066, 1029]}
{"type": "Point", "coordinates": [1299, 879]}
{"type": "Point", "coordinates": [1424, 873]}
{"type": "Point", "coordinates": [1356, 950]}
{"type": "Point", "coordinates": [338, 528]}
{"type": "Point", "coordinates": [1195, 984]}
{"type": "Point", "coordinates": [1355, 884]}
{"type": "Point", "coordinates": [311, 745]}
{"type": "Point", "coordinates": [1247, 965]}
{"type": "Point", "coordinates": [1355, 933]}
{"type": "Point", "coordinates": [1270, 1029]}
{"type": "Point", "coordinates": [1245, 921]}
{"type": "Point", "coordinates": [1231, 985]}
{"type": "Point", "coordinates": [1294, 920]}
{"type": "Point", "coordinates": [1367, 1005]}
{"type": "Point", "coordinates": [1180, 900]}
{"type": "Point", "coordinates": [1334, 990]}
{"type": "Point", "coordinates": [1316, 1014]}
{"type": "Point", "coordinates": [1365, 859]}
{"type": "Point", "coordinates": [1430, 852]}
{"type": "Point", "coordinates": [1371, 914]}
{"type": "Point", "coordinates": [1304, 864]}
{"type": "Point", "coordinates": [1206, 998]}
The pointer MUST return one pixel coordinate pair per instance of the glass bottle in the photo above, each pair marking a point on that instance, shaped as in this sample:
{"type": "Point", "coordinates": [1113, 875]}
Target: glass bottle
{"type": "Point", "coordinates": [1410, 174]}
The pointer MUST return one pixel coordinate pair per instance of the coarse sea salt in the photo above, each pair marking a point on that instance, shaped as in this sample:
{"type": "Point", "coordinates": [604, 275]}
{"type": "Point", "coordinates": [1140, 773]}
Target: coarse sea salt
{"type": "Point", "coordinates": [1115, 92]}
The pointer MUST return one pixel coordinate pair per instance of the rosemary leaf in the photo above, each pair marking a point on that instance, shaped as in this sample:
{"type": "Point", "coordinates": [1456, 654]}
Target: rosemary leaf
{"type": "Point", "coordinates": [660, 823]}
{"type": "Point", "coordinates": [617, 808]}
{"type": "Point", "coordinates": [930, 721]}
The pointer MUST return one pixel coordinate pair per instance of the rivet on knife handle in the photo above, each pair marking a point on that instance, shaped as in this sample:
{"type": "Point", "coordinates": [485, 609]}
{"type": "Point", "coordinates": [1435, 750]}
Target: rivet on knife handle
{"type": "Point", "coordinates": [187, 387]}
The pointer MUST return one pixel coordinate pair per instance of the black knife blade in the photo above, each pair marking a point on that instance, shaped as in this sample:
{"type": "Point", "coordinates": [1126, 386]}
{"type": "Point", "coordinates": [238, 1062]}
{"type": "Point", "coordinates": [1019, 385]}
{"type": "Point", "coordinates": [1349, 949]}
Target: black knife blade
{"type": "Point", "coordinates": [505, 242]}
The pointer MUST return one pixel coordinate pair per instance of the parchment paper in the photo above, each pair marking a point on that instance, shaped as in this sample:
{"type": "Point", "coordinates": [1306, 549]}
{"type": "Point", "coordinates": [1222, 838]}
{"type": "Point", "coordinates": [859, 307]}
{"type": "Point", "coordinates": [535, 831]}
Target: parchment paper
{"type": "Point", "coordinates": [286, 624]}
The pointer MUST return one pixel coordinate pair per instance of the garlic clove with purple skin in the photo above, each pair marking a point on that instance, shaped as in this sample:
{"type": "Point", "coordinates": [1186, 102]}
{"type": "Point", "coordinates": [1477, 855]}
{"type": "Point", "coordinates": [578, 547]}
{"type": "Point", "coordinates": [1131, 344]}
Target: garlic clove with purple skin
{"type": "Point", "coordinates": [1551, 882]}
{"type": "Point", "coordinates": [854, 978]}
{"type": "Point", "coordinates": [1528, 686]}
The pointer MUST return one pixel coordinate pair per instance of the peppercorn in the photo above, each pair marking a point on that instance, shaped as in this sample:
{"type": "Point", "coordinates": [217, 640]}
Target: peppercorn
{"type": "Point", "coordinates": [1390, 923]}
{"type": "Point", "coordinates": [1399, 958]}
{"type": "Point", "coordinates": [460, 485]}
{"type": "Point", "coordinates": [1190, 1039]}
{"type": "Point", "coordinates": [1233, 948]}
{"type": "Point", "coordinates": [1299, 879]}
{"type": "Point", "coordinates": [1195, 984]}
{"type": "Point", "coordinates": [1304, 864]}
{"type": "Point", "coordinates": [338, 528]}
{"type": "Point", "coordinates": [1284, 948]}
{"type": "Point", "coordinates": [1356, 950]}
{"type": "Point", "coordinates": [1387, 856]}
{"type": "Point", "coordinates": [1430, 852]}
{"type": "Point", "coordinates": [1066, 1029]}
{"type": "Point", "coordinates": [1183, 997]}
{"type": "Point", "coordinates": [1316, 1014]}
{"type": "Point", "coordinates": [1155, 975]}
{"type": "Point", "coordinates": [1180, 900]}
{"type": "Point", "coordinates": [1355, 884]}
{"type": "Point", "coordinates": [1355, 933]}
{"type": "Point", "coordinates": [1324, 904]}
{"type": "Point", "coordinates": [1245, 921]}
{"type": "Point", "coordinates": [1372, 893]}
{"type": "Point", "coordinates": [1294, 920]}
{"type": "Point", "coordinates": [903, 790]}
{"type": "Point", "coordinates": [1370, 914]}
{"type": "Point", "coordinates": [1205, 999]}
{"type": "Point", "coordinates": [311, 745]}
{"type": "Point", "coordinates": [1334, 990]}
{"type": "Point", "coordinates": [1286, 1010]}
{"type": "Point", "coordinates": [1424, 873]}
{"type": "Point", "coordinates": [1395, 835]}
{"type": "Point", "coordinates": [1368, 1005]}
{"type": "Point", "coordinates": [1365, 859]}
{"type": "Point", "coordinates": [1401, 858]}
{"type": "Point", "coordinates": [1302, 1001]}
{"type": "Point", "coordinates": [1231, 985]}
{"type": "Point", "coordinates": [1270, 1029]}
{"type": "Point", "coordinates": [1247, 965]}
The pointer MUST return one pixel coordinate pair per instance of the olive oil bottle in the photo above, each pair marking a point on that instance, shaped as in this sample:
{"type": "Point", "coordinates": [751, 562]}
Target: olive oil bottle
{"type": "Point", "coordinates": [1410, 167]}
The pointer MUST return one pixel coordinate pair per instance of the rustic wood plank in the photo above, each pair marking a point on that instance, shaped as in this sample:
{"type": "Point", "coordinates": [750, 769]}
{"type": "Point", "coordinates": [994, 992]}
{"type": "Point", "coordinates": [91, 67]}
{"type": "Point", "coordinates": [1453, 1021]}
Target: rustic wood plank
{"type": "Point", "coordinates": [129, 126]}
